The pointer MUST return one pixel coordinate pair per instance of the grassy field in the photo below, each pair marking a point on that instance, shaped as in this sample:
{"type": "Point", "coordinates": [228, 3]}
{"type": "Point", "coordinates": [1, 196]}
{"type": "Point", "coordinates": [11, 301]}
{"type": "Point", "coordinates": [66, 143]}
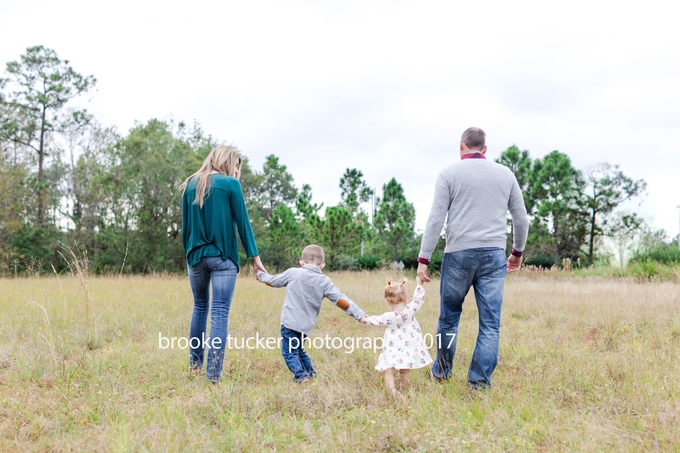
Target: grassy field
{"type": "Point", "coordinates": [586, 364]}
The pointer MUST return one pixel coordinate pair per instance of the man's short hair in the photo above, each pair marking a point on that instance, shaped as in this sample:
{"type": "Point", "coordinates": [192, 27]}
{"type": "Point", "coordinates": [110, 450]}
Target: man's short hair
{"type": "Point", "coordinates": [313, 254]}
{"type": "Point", "coordinates": [474, 138]}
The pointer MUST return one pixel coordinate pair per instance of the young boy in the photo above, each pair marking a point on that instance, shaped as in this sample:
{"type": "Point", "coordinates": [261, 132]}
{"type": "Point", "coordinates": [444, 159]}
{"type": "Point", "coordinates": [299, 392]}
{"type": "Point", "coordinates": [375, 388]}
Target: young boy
{"type": "Point", "coordinates": [306, 288]}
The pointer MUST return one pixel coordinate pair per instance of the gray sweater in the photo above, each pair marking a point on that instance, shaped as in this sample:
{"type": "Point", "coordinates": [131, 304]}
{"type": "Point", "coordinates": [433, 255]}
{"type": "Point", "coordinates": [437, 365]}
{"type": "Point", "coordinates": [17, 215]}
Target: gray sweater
{"type": "Point", "coordinates": [307, 287]}
{"type": "Point", "coordinates": [476, 194]}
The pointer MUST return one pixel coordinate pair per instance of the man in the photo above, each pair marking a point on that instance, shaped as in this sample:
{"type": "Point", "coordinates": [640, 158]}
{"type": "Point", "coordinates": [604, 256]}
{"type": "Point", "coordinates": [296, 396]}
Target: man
{"type": "Point", "coordinates": [475, 194]}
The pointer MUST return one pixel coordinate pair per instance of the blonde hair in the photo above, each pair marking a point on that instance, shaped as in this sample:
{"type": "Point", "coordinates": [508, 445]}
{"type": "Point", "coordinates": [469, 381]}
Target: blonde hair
{"type": "Point", "coordinates": [225, 159]}
{"type": "Point", "coordinates": [313, 254]}
{"type": "Point", "coordinates": [395, 293]}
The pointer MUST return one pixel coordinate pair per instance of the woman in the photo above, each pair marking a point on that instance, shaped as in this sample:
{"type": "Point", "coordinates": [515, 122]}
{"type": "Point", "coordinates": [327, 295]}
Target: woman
{"type": "Point", "coordinates": [212, 210]}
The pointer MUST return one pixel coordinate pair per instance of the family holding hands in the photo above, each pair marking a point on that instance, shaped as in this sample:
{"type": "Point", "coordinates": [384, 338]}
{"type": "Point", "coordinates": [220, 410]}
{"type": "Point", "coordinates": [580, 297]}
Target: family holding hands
{"type": "Point", "coordinates": [472, 196]}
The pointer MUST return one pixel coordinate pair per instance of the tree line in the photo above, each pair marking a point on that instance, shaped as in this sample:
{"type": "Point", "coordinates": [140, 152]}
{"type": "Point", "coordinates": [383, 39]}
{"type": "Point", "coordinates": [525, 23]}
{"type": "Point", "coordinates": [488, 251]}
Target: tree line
{"type": "Point", "coordinates": [68, 181]}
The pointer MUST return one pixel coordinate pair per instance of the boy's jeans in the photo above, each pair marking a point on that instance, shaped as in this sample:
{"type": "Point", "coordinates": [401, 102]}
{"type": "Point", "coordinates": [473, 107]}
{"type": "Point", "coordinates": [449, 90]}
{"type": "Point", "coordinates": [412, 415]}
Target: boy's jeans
{"type": "Point", "coordinates": [223, 276]}
{"type": "Point", "coordinates": [294, 354]}
{"type": "Point", "coordinates": [485, 270]}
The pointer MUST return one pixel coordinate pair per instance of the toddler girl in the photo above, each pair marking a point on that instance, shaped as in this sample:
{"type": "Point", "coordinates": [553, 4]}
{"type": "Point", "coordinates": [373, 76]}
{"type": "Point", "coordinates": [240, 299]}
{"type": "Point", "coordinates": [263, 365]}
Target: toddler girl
{"type": "Point", "coordinates": [403, 345]}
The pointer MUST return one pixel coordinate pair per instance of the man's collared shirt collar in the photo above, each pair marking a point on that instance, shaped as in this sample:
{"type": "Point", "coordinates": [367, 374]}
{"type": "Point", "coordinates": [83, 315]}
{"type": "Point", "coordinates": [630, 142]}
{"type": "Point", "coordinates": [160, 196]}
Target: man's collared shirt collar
{"type": "Point", "coordinates": [473, 156]}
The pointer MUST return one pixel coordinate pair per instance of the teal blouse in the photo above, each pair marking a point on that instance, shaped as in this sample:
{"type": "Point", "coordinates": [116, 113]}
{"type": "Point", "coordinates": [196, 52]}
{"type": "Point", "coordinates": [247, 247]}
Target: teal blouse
{"type": "Point", "coordinates": [211, 230]}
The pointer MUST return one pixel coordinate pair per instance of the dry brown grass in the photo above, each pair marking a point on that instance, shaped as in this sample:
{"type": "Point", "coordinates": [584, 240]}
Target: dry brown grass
{"type": "Point", "coordinates": [585, 365]}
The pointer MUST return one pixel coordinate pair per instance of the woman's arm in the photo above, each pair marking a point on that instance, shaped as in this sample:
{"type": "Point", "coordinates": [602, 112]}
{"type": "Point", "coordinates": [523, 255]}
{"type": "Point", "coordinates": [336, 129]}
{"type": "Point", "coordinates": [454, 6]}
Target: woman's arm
{"type": "Point", "coordinates": [185, 223]}
{"type": "Point", "coordinates": [239, 213]}
{"type": "Point", "coordinates": [258, 266]}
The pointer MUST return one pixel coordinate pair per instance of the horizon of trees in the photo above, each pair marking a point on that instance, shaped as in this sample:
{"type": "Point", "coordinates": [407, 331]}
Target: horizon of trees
{"type": "Point", "coordinates": [69, 181]}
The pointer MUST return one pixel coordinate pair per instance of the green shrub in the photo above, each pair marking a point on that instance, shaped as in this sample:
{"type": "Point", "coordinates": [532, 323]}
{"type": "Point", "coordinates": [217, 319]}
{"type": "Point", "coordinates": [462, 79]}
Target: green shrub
{"type": "Point", "coordinates": [368, 262]}
{"type": "Point", "coordinates": [665, 254]}
{"type": "Point", "coordinates": [545, 262]}
{"type": "Point", "coordinates": [650, 270]}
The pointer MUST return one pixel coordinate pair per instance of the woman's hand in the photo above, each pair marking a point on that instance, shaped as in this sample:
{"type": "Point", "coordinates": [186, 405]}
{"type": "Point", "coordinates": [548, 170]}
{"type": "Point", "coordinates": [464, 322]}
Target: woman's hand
{"type": "Point", "coordinates": [258, 266]}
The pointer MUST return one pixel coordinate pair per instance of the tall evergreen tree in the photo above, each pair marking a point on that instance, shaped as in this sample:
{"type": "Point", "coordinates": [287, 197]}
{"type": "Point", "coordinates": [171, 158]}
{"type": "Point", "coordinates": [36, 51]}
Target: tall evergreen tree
{"type": "Point", "coordinates": [519, 163]}
{"type": "Point", "coordinates": [336, 233]}
{"type": "Point", "coordinates": [395, 221]}
{"type": "Point", "coordinates": [303, 203]}
{"type": "Point", "coordinates": [276, 186]}
{"type": "Point", "coordinates": [32, 105]}
{"type": "Point", "coordinates": [354, 190]}
{"type": "Point", "coordinates": [284, 241]}
{"type": "Point", "coordinates": [557, 188]}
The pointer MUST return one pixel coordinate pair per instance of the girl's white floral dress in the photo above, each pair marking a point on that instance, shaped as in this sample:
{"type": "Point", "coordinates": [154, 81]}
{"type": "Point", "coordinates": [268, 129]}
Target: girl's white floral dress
{"type": "Point", "coordinates": [403, 345]}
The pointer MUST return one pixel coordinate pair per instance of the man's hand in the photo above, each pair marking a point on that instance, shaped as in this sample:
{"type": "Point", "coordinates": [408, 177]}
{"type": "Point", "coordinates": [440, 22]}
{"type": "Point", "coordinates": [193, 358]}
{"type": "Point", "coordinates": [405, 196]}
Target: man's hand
{"type": "Point", "coordinates": [258, 266]}
{"type": "Point", "coordinates": [363, 319]}
{"type": "Point", "coordinates": [514, 263]}
{"type": "Point", "coordinates": [423, 274]}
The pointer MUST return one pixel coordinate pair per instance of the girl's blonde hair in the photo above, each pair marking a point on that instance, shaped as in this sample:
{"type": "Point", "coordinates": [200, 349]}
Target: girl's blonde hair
{"type": "Point", "coordinates": [395, 292]}
{"type": "Point", "coordinates": [224, 159]}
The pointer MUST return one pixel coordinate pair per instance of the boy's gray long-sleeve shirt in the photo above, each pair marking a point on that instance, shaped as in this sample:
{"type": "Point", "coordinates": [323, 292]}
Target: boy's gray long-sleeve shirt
{"type": "Point", "coordinates": [476, 195]}
{"type": "Point", "coordinates": [306, 288]}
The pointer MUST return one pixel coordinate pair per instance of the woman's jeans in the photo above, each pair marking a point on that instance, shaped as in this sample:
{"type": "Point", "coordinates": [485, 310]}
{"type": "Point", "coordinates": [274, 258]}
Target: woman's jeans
{"type": "Point", "coordinates": [485, 270]}
{"type": "Point", "coordinates": [223, 276]}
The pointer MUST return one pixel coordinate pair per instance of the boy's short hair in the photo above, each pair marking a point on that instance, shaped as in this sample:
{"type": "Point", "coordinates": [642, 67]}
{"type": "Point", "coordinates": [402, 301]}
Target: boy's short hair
{"type": "Point", "coordinates": [313, 254]}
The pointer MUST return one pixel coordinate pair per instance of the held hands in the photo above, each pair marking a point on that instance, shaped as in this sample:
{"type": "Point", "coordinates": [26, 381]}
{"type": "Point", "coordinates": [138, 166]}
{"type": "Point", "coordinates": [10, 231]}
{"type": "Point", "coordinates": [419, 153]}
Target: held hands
{"type": "Point", "coordinates": [423, 274]}
{"type": "Point", "coordinates": [258, 266]}
{"type": "Point", "coordinates": [419, 281]}
{"type": "Point", "coordinates": [363, 319]}
{"type": "Point", "coordinates": [514, 263]}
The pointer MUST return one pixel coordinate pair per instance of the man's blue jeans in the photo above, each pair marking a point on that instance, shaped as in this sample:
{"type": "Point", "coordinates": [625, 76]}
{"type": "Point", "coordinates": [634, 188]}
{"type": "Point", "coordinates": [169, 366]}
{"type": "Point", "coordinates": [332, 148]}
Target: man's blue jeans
{"type": "Point", "coordinates": [294, 354]}
{"type": "Point", "coordinates": [484, 269]}
{"type": "Point", "coordinates": [222, 273]}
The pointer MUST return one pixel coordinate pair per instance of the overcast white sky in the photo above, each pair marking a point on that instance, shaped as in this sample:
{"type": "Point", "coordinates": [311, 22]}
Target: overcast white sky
{"type": "Point", "coordinates": [385, 86]}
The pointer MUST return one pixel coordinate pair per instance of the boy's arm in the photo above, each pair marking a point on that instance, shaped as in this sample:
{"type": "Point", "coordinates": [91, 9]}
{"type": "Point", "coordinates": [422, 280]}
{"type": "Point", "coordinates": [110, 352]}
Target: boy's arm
{"type": "Point", "coordinates": [275, 281]}
{"type": "Point", "coordinates": [334, 295]}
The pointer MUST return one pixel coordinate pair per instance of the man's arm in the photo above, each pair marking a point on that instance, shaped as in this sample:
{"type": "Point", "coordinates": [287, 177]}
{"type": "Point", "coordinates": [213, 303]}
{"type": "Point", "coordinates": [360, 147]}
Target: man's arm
{"type": "Point", "coordinates": [435, 224]}
{"type": "Point", "coordinates": [520, 227]}
{"type": "Point", "coordinates": [333, 294]}
{"type": "Point", "coordinates": [275, 281]}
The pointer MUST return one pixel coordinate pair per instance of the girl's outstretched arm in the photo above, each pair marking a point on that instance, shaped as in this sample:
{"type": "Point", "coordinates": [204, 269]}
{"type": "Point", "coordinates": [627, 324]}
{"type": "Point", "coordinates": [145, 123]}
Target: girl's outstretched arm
{"type": "Point", "coordinates": [417, 302]}
{"type": "Point", "coordinates": [379, 320]}
{"type": "Point", "coordinates": [386, 319]}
